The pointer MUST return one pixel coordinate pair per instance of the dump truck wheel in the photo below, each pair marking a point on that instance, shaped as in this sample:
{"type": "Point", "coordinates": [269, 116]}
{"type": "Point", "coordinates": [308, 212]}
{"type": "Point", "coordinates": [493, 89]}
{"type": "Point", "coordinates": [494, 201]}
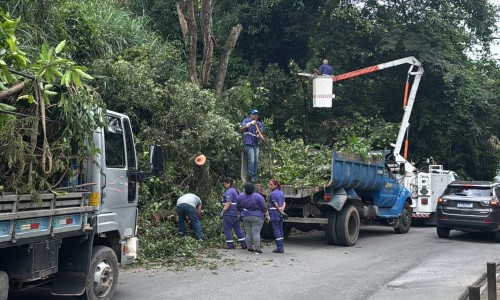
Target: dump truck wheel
{"type": "Point", "coordinates": [103, 275]}
{"type": "Point", "coordinates": [330, 232]}
{"type": "Point", "coordinates": [404, 220]}
{"type": "Point", "coordinates": [267, 231]}
{"type": "Point", "coordinates": [443, 232]}
{"type": "Point", "coordinates": [348, 226]}
{"type": "Point", "coordinates": [286, 230]}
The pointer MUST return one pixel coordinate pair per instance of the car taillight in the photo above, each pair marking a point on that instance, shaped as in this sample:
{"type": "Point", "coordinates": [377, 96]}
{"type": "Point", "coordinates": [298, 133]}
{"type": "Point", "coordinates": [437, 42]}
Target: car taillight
{"type": "Point", "coordinates": [489, 203]}
{"type": "Point", "coordinates": [442, 201]}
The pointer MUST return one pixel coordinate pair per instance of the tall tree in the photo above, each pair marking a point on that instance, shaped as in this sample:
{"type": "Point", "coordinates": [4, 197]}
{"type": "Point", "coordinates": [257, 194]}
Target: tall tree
{"type": "Point", "coordinates": [187, 21]}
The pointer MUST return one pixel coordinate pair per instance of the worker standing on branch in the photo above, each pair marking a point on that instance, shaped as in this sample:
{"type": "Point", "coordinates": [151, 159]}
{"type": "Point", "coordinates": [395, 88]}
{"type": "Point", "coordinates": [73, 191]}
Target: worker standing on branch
{"type": "Point", "coordinates": [324, 69]}
{"type": "Point", "coordinates": [252, 129]}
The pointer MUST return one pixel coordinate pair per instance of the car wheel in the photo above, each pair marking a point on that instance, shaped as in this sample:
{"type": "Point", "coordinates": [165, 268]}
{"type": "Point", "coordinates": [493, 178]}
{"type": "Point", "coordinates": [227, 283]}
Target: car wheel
{"type": "Point", "coordinates": [443, 232]}
{"type": "Point", "coordinates": [497, 236]}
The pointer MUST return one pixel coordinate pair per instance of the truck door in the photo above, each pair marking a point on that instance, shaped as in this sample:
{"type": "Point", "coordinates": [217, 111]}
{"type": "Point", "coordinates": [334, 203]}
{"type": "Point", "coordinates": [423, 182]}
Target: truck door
{"type": "Point", "coordinates": [120, 192]}
{"type": "Point", "coordinates": [389, 192]}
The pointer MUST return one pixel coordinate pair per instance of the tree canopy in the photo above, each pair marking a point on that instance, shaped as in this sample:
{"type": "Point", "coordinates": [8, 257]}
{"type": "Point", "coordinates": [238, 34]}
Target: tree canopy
{"type": "Point", "coordinates": [139, 55]}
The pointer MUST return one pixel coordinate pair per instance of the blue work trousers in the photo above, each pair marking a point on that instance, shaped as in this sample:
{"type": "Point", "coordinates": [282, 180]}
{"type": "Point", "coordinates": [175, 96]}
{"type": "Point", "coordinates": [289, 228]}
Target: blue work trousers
{"type": "Point", "coordinates": [278, 234]}
{"type": "Point", "coordinates": [252, 153]}
{"type": "Point", "coordinates": [191, 212]}
{"type": "Point", "coordinates": [229, 224]}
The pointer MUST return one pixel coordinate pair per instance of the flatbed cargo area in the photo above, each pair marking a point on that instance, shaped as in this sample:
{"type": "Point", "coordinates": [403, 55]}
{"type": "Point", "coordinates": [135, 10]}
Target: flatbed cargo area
{"type": "Point", "coordinates": [24, 216]}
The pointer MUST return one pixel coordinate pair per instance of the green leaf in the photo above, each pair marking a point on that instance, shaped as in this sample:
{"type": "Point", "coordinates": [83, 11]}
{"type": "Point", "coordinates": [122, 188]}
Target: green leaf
{"type": "Point", "coordinates": [60, 46]}
{"type": "Point", "coordinates": [83, 74]}
{"type": "Point", "coordinates": [7, 107]}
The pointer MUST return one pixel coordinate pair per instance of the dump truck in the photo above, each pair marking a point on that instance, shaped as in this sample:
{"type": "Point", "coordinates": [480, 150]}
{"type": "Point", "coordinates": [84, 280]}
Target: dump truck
{"type": "Point", "coordinates": [73, 238]}
{"type": "Point", "coordinates": [359, 192]}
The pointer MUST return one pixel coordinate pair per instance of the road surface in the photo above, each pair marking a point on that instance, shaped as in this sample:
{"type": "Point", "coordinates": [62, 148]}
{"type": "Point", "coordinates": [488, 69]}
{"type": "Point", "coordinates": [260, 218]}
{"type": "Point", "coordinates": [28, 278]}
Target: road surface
{"type": "Point", "coordinates": [382, 265]}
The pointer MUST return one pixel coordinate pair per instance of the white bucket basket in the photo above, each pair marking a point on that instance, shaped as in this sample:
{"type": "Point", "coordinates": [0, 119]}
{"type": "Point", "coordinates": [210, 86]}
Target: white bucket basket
{"type": "Point", "coordinates": [323, 91]}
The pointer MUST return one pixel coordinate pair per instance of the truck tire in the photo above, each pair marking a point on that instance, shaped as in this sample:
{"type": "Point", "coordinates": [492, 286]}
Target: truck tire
{"type": "Point", "coordinates": [348, 226]}
{"type": "Point", "coordinates": [103, 275]}
{"type": "Point", "coordinates": [404, 220]}
{"type": "Point", "coordinates": [267, 232]}
{"type": "Point", "coordinates": [330, 233]}
{"type": "Point", "coordinates": [443, 232]}
{"type": "Point", "coordinates": [287, 229]}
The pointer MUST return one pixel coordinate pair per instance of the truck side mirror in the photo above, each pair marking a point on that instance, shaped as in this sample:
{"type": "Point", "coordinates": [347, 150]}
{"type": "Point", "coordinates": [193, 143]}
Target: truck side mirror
{"type": "Point", "coordinates": [156, 159]}
{"type": "Point", "coordinates": [402, 170]}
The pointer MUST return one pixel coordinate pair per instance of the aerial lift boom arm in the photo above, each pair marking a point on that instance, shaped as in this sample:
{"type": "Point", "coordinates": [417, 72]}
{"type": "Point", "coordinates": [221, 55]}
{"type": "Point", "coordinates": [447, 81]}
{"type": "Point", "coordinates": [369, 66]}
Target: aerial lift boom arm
{"type": "Point", "coordinates": [416, 69]}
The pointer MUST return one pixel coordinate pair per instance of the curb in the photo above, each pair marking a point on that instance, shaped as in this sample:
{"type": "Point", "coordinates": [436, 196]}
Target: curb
{"type": "Point", "coordinates": [482, 282]}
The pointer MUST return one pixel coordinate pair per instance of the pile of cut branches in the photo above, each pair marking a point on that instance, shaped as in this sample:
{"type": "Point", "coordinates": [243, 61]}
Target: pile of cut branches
{"type": "Point", "coordinates": [47, 114]}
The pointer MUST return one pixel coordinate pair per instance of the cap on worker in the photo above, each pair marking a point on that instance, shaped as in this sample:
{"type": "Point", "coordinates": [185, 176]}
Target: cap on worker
{"type": "Point", "coordinates": [254, 112]}
{"type": "Point", "coordinates": [200, 160]}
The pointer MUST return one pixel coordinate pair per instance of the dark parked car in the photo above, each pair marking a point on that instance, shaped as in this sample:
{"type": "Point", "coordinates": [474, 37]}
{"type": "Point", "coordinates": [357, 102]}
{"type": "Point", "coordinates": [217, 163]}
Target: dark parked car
{"type": "Point", "coordinates": [471, 206]}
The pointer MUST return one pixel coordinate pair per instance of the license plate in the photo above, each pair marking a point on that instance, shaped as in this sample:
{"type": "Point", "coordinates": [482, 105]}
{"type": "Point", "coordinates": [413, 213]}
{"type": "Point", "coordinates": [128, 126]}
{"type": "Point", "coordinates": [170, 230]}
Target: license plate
{"type": "Point", "coordinates": [464, 205]}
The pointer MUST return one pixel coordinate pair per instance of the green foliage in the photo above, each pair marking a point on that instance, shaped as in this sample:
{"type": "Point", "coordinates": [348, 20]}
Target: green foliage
{"type": "Point", "coordinates": [297, 164]}
{"type": "Point", "coordinates": [98, 28]}
{"type": "Point", "coordinates": [36, 149]}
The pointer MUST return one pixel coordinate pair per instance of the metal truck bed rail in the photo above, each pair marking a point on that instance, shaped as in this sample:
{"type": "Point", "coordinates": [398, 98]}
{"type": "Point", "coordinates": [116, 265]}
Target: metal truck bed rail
{"type": "Point", "coordinates": [21, 216]}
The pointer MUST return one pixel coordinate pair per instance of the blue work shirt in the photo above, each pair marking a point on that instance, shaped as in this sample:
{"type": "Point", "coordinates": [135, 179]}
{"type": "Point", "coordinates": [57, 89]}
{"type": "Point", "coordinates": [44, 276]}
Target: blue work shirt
{"type": "Point", "coordinates": [250, 134]}
{"type": "Point", "coordinates": [231, 195]}
{"type": "Point", "coordinates": [278, 197]}
{"type": "Point", "coordinates": [251, 205]}
{"type": "Point", "coordinates": [325, 70]}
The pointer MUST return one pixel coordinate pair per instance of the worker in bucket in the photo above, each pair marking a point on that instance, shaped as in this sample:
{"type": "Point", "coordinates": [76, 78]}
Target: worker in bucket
{"type": "Point", "coordinates": [324, 69]}
{"type": "Point", "coordinates": [230, 220]}
{"type": "Point", "coordinates": [276, 211]}
{"type": "Point", "coordinates": [252, 130]}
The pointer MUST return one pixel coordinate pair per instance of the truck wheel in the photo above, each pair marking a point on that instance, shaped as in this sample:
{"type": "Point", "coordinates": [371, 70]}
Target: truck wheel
{"type": "Point", "coordinates": [103, 275]}
{"type": "Point", "coordinates": [267, 231]}
{"type": "Point", "coordinates": [348, 226]}
{"type": "Point", "coordinates": [286, 230]}
{"type": "Point", "coordinates": [404, 220]}
{"type": "Point", "coordinates": [443, 232]}
{"type": "Point", "coordinates": [330, 233]}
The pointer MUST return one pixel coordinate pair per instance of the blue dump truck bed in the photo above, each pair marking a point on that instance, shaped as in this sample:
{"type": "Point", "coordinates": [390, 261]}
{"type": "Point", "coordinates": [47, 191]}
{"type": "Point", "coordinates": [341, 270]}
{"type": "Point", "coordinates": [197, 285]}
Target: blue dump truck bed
{"type": "Point", "coordinates": [349, 171]}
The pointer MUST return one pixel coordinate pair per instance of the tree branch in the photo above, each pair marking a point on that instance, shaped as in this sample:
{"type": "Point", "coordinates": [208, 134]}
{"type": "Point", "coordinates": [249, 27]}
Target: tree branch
{"type": "Point", "coordinates": [208, 40]}
{"type": "Point", "coordinates": [224, 58]}
{"type": "Point", "coordinates": [12, 90]}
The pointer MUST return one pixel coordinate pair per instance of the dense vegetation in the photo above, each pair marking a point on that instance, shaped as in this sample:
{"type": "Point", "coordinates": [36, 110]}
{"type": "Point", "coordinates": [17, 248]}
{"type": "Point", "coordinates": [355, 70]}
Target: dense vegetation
{"type": "Point", "coordinates": [143, 64]}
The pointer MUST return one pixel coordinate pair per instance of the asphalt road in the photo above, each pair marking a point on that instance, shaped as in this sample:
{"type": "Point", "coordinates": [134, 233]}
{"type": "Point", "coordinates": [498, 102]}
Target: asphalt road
{"type": "Point", "coordinates": [382, 265]}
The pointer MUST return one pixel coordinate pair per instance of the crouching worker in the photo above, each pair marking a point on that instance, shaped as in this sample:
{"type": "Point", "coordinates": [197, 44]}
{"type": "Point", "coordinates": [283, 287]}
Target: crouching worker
{"type": "Point", "coordinates": [189, 205]}
{"type": "Point", "coordinates": [277, 206]}
{"type": "Point", "coordinates": [230, 220]}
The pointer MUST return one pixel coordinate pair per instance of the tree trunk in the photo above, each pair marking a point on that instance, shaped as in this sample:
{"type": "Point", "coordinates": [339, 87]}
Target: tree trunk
{"type": "Point", "coordinates": [224, 58]}
{"type": "Point", "coordinates": [187, 22]}
{"type": "Point", "coordinates": [208, 40]}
